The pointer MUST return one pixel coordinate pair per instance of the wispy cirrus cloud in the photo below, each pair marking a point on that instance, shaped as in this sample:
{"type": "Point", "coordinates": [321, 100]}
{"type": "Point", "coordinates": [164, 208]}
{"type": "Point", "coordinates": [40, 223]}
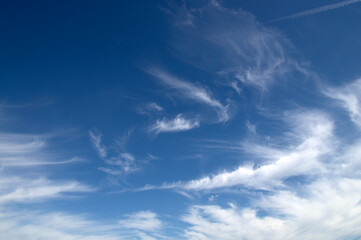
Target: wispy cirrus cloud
{"type": "Point", "coordinates": [177, 124]}
{"type": "Point", "coordinates": [96, 141]}
{"type": "Point", "coordinates": [123, 163]}
{"type": "Point", "coordinates": [23, 181]}
{"type": "Point", "coordinates": [191, 91]}
{"type": "Point", "coordinates": [233, 45]}
{"type": "Point", "coordinates": [25, 190]}
{"type": "Point", "coordinates": [313, 131]}
{"type": "Point", "coordinates": [349, 96]}
{"type": "Point", "coordinates": [29, 225]}
{"type": "Point", "coordinates": [143, 220]}
{"type": "Point", "coordinates": [326, 209]}
{"type": "Point", "coordinates": [118, 161]}
{"type": "Point", "coordinates": [22, 156]}
{"type": "Point", "coordinates": [24, 150]}
{"type": "Point", "coordinates": [313, 11]}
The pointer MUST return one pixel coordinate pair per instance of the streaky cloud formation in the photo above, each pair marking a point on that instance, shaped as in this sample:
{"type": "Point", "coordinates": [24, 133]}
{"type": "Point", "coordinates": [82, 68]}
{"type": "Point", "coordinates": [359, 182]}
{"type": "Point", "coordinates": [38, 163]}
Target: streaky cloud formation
{"type": "Point", "coordinates": [96, 141]}
{"type": "Point", "coordinates": [144, 220]}
{"type": "Point", "coordinates": [190, 91]}
{"type": "Point", "coordinates": [177, 124]}
{"type": "Point", "coordinates": [119, 163]}
{"type": "Point", "coordinates": [149, 108]}
{"type": "Point", "coordinates": [27, 190]}
{"type": "Point", "coordinates": [349, 97]}
{"type": "Point", "coordinates": [327, 209]}
{"type": "Point", "coordinates": [233, 45]}
{"type": "Point", "coordinates": [21, 150]}
{"type": "Point", "coordinates": [314, 132]}
{"type": "Point", "coordinates": [318, 10]}
{"type": "Point", "coordinates": [123, 163]}
{"type": "Point", "coordinates": [241, 135]}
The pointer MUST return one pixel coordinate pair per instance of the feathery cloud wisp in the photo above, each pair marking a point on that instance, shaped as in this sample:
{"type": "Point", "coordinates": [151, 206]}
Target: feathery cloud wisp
{"type": "Point", "coordinates": [327, 209]}
{"type": "Point", "coordinates": [190, 91]}
{"type": "Point", "coordinates": [232, 44]}
{"type": "Point", "coordinates": [174, 125]}
{"type": "Point", "coordinates": [143, 220]}
{"type": "Point", "coordinates": [350, 98]}
{"type": "Point", "coordinates": [314, 131]}
{"type": "Point", "coordinates": [96, 141]}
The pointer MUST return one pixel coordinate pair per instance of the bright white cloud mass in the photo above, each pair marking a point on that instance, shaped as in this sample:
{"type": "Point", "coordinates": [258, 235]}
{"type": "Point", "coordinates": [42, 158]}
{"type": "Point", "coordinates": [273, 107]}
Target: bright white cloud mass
{"type": "Point", "coordinates": [194, 120]}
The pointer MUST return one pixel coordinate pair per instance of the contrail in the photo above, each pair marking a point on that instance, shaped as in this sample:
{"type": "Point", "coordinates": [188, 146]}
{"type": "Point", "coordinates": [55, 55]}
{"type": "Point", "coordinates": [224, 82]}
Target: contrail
{"type": "Point", "coordinates": [318, 10]}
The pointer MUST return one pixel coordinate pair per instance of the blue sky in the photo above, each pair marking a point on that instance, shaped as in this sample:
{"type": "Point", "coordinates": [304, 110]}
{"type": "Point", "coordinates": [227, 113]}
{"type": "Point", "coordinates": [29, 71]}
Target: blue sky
{"type": "Point", "coordinates": [192, 120]}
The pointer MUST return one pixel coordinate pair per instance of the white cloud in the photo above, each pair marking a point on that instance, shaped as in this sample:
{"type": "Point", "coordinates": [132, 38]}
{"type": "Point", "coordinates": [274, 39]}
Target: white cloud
{"type": "Point", "coordinates": [251, 128]}
{"type": "Point", "coordinates": [154, 106]}
{"type": "Point", "coordinates": [149, 108]}
{"type": "Point", "coordinates": [143, 220]}
{"type": "Point", "coordinates": [17, 189]}
{"type": "Point", "coordinates": [21, 157]}
{"type": "Point", "coordinates": [123, 163]}
{"type": "Point", "coordinates": [18, 224]}
{"type": "Point", "coordinates": [191, 91]}
{"type": "Point", "coordinates": [235, 86]}
{"type": "Point", "coordinates": [328, 209]}
{"type": "Point", "coordinates": [96, 141]}
{"type": "Point", "coordinates": [318, 10]}
{"type": "Point", "coordinates": [350, 98]}
{"type": "Point", "coordinates": [313, 131]}
{"type": "Point", "coordinates": [23, 150]}
{"type": "Point", "coordinates": [25, 225]}
{"type": "Point", "coordinates": [117, 162]}
{"type": "Point", "coordinates": [213, 222]}
{"type": "Point", "coordinates": [233, 44]}
{"type": "Point", "coordinates": [174, 125]}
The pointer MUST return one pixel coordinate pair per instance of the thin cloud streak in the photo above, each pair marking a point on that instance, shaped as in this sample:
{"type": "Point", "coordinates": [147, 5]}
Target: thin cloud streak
{"type": "Point", "coordinates": [177, 124]}
{"type": "Point", "coordinates": [314, 131]}
{"type": "Point", "coordinates": [233, 45]}
{"type": "Point", "coordinates": [96, 141]}
{"type": "Point", "coordinates": [318, 10]}
{"type": "Point", "coordinates": [326, 209]}
{"type": "Point", "coordinates": [190, 91]}
{"type": "Point", "coordinates": [349, 97]}
{"type": "Point", "coordinates": [29, 190]}
{"type": "Point", "coordinates": [118, 161]}
{"type": "Point", "coordinates": [143, 220]}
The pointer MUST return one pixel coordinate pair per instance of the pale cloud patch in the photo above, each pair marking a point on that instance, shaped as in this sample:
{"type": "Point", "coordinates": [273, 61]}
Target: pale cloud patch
{"type": "Point", "coordinates": [123, 163]}
{"type": "Point", "coordinates": [232, 44]}
{"type": "Point", "coordinates": [314, 134]}
{"type": "Point", "coordinates": [327, 209]}
{"type": "Point", "coordinates": [191, 91]}
{"type": "Point", "coordinates": [349, 96]}
{"type": "Point", "coordinates": [118, 162]}
{"type": "Point", "coordinates": [213, 222]}
{"type": "Point", "coordinates": [16, 189]}
{"type": "Point", "coordinates": [143, 220]}
{"type": "Point", "coordinates": [24, 150]}
{"type": "Point", "coordinates": [96, 140]}
{"type": "Point", "coordinates": [177, 124]}
{"type": "Point", "coordinates": [28, 225]}
{"type": "Point", "coordinates": [149, 108]}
